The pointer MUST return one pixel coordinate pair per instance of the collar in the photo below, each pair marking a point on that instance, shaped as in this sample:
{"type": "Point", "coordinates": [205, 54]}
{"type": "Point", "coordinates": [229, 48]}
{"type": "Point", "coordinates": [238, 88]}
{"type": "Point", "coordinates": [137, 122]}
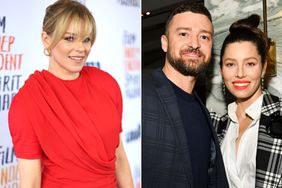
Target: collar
{"type": "Point", "coordinates": [254, 110]}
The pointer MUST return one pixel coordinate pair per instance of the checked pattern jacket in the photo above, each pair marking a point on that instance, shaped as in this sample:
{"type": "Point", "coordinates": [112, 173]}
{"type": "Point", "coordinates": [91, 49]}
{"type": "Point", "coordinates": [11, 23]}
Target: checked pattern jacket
{"type": "Point", "coordinates": [269, 146]}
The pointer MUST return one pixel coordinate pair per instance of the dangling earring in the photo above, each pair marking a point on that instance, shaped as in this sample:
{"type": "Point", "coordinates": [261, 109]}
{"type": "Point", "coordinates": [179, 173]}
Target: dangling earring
{"type": "Point", "coordinates": [47, 52]}
{"type": "Point", "coordinates": [262, 83]}
{"type": "Point", "coordinates": [223, 88]}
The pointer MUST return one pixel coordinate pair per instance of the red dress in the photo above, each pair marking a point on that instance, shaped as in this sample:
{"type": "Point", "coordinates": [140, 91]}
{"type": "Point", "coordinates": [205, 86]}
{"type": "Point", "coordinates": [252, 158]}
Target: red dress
{"type": "Point", "coordinates": [72, 125]}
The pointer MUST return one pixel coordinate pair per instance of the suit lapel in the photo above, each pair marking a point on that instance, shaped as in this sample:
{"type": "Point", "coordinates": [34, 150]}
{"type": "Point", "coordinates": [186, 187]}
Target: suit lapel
{"type": "Point", "coordinates": [215, 150]}
{"type": "Point", "coordinates": [169, 101]}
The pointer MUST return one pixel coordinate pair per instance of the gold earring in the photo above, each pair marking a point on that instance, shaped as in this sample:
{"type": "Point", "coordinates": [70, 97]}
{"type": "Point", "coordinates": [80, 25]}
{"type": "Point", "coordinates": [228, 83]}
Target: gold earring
{"type": "Point", "coordinates": [47, 52]}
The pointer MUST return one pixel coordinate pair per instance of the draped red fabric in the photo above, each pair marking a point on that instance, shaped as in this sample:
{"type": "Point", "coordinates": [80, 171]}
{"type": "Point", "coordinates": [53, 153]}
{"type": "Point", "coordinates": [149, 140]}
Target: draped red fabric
{"type": "Point", "coordinates": [72, 125]}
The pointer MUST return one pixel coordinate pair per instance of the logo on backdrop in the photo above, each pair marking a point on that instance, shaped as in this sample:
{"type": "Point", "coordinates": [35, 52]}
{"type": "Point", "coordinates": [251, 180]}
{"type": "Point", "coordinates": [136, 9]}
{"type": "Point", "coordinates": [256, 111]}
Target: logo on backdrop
{"type": "Point", "coordinates": [10, 63]}
{"type": "Point", "coordinates": [133, 134]}
{"type": "Point", "coordinates": [9, 174]}
{"type": "Point", "coordinates": [96, 64]}
{"type": "Point", "coordinates": [9, 86]}
{"type": "Point", "coordinates": [131, 3]}
{"type": "Point", "coordinates": [2, 24]}
{"type": "Point", "coordinates": [7, 155]}
{"type": "Point", "coordinates": [131, 65]}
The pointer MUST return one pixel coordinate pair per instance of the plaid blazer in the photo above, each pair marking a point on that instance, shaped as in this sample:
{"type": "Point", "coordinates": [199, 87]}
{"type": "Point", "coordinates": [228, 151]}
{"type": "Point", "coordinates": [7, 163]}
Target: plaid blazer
{"type": "Point", "coordinates": [269, 146]}
{"type": "Point", "coordinates": [166, 159]}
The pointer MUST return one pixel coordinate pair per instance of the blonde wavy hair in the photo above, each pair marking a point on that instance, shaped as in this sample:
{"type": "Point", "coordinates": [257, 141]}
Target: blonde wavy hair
{"type": "Point", "coordinates": [61, 14]}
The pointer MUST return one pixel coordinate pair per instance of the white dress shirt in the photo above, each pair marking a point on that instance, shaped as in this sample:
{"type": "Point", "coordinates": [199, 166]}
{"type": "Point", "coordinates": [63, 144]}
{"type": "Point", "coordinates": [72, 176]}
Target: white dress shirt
{"type": "Point", "coordinates": [241, 169]}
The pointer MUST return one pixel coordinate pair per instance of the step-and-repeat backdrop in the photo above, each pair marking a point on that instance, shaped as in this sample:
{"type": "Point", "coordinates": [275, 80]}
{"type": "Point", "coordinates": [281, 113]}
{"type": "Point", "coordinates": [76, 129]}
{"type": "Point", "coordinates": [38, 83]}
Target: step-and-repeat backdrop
{"type": "Point", "coordinates": [116, 50]}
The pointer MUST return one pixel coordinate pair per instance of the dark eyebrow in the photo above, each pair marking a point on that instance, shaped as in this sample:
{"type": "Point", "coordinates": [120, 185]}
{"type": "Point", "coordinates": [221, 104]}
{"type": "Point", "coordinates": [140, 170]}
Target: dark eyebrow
{"type": "Point", "coordinates": [229, 59]}
{"type": "Point", "coordinates": [183, 28]}
{"type": "Point", "coordinates": [190, 29]}
{"type": "Point", "coordinates": [246, 59]}
{"type": "Point", "coordinates": [250, 58]}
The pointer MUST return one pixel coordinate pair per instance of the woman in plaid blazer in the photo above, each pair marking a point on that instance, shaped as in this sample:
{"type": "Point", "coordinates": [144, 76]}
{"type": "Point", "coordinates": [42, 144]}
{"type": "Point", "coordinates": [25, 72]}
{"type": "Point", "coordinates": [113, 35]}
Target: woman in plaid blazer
{"type": "Point", "coordinates": [250, 134]}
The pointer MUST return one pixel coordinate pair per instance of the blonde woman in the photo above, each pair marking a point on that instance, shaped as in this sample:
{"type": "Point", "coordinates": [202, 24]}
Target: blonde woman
{"type": "Point", "coordinates": [65, 122]}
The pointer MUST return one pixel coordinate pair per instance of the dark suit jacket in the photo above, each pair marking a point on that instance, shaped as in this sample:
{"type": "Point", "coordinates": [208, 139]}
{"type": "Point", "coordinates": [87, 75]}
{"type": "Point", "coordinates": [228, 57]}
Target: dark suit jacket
{"type": "Point", "coordinates": [165, 154]}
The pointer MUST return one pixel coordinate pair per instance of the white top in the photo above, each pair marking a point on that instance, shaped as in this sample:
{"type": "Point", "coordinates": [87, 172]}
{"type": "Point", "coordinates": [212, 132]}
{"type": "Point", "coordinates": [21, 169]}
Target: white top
{"type": "Point", "coordinates": [241, 171]}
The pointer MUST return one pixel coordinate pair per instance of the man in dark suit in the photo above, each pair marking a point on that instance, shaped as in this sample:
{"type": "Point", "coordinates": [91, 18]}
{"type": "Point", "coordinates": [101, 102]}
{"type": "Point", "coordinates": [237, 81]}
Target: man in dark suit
{"type": "Point", "coordinates": [179, 145]}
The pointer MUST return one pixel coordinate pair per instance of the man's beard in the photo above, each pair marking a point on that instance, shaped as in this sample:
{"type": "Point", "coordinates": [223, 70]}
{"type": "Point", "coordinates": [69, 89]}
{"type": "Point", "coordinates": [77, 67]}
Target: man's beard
{"type": "Point", "coordinates": [189, 67]}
